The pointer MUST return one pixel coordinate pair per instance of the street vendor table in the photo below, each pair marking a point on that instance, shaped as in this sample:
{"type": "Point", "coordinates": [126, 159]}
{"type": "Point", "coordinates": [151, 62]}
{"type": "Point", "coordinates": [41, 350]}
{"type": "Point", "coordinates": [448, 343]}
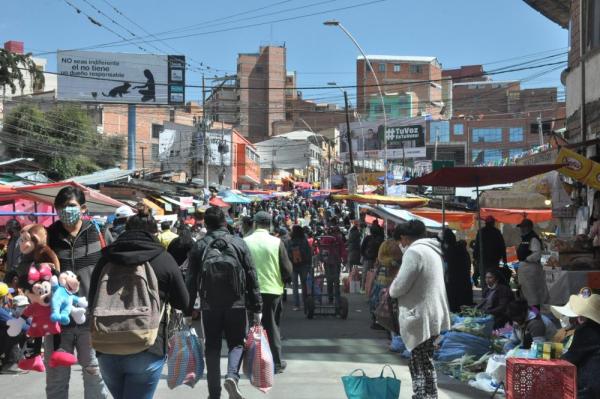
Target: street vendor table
{"type": "Point", "coordinates": [564, 283]}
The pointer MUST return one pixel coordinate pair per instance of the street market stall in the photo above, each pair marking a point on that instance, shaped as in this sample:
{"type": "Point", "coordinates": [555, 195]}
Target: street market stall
{"type": "Point", "coordinates": [398, 216]}
{"type": "Point", "coordinates": [403, 202]}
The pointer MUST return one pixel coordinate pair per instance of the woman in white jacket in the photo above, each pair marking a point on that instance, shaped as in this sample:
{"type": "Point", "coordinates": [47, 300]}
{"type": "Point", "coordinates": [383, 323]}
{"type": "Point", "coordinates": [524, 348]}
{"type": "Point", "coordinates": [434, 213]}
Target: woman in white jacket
{"type": "Point", "coordinates": [423, 304]}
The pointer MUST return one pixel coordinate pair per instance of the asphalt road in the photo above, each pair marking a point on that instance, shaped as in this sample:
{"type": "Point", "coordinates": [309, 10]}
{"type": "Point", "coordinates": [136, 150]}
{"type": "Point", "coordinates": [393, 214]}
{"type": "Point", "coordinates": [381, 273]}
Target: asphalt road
{"type": "Point", "coordinates": [319, 352]}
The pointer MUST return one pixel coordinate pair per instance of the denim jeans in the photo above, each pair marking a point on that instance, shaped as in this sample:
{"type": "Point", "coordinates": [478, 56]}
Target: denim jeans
{"type": "Point", "coordinates": [233, 323]}
{"type": "Point", "coordinates": [131, 376]}
{"type": "Point", "coordinates": [301, 273]}
{"type": "Point", "coordinates": [73, 339]}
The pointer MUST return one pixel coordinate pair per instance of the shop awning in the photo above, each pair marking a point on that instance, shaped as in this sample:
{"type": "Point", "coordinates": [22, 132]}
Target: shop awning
{"type": "Point", "coordinates": [464, 219]}
{"type": "Point", "coordinates": [514, 216]}
{"type": "Point", "coordinates": [217, 201]}
{"type": "Point", "coordinates": [171, 200]}
{"type": "Point", "coordinates": [303, 185]}
{"type": "Point", "coordinates": [249, 179]}
{"type": "Point", "coordinates": [230, 197]}
{"type": "Point", "coordinates": [167, 205]}
{"type": "Point", "coordinates": [402, 215]}
{"type": "Point", "coordinates": [96, 202]}
{"type": "Point", "coordinates": [156, 208]}
{"type": "Point", "coordinates": [404, 202]}
{"type": "Point", "coordinates": [477, 176]}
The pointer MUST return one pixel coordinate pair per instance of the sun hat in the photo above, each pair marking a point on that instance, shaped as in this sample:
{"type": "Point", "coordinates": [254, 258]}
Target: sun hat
{"type": "Point", "coordinates": [124, 212]}
{"type": "Point", "coordinates": [588, 307]}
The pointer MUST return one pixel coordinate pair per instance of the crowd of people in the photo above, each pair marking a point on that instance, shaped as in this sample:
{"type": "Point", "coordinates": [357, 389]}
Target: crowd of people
{"type": "Point", "coordinates": [233, 274]}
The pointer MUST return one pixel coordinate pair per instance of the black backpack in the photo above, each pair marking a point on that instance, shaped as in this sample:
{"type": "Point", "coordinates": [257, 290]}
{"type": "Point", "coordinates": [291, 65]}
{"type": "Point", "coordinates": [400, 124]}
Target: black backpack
{"type": "Point", "coordinates": [223, 277]}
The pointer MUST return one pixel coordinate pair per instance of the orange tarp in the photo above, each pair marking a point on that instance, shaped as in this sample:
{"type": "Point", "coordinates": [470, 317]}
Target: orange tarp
{"type": "Point", "coordinates": [514, 216]}
{"type": "Point", "coordinates": [464, 219]}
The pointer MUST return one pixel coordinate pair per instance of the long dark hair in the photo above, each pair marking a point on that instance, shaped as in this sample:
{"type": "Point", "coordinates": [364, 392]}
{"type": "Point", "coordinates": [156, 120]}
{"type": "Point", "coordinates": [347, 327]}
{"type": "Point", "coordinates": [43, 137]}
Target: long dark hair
{"type": "Point", "coordinates": [448, 242]}
{"type": "Point", "coordinates": [185, 237]}
{"type": "Point", "coordinates": [298, 233]}
{"type": "Point", "coordinates": [142, 220]}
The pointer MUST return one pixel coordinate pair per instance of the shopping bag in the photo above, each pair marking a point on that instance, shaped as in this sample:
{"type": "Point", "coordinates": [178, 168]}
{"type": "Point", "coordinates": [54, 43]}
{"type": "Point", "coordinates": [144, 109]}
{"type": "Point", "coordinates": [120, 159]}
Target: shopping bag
{"type": "Point", "coordinates": [363, 387]}
{"type": "Point", "coordinates": [185, 358]}
{"type": "Point", "coordinates": [385, 315]}
{"type": "Point", "coordinates": [258, 360]}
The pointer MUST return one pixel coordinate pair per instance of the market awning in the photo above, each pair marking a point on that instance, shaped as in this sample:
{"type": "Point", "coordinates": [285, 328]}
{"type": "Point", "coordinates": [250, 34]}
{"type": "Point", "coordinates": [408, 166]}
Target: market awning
{"type": "Point", "coordinates": [404, 202]}
{"type": "Point", "coordinates": [232, 198]}
{"type": "Point", "coordinates": [401, 216]}
{"type": "Point", "coordinates": [514, 216]}
{"type": "Point", "coordinates": [249, 179]}
{"type": "Point", "coordinates": [217, 201]}
{"type": "Point", "coordinates": [464, 219]}
{"type": "Point", "coordinates": [303, 185]}
{"type": "Point", "coordinates": [96, 202]}
{"type": "Point", "coordinates": [156, 208]}
{"type": "Point", "coordinates": [477, 176]}
{"type": "Point", "coordinates": [171, 200]}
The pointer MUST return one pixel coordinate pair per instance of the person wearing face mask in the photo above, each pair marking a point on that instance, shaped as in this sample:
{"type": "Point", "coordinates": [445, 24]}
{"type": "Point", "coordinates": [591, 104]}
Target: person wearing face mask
{"type": "Point", "coordinates": [584, 351]}
{"type": "Point", "coordinates": [78, 247]}
{"type": "Point", "coordinates": [530, 274]}
{"type": "Point", "coordinates": [496, 297]}
{"type": "Point", "coordinates": [422, 304]}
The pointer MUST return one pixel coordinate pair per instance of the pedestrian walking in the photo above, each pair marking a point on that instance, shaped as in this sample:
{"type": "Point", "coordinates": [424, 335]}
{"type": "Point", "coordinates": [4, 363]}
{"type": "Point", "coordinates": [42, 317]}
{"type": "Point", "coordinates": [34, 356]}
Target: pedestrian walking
{"type": "Point", "coordinates": [301, 257]}
{"type": "Point", "coordinates": [423, 304]}
{"type": "Point", "coordinates": [136, 375]}
{"type": "Point", "coordinates": [117, 228]}
{"type": "Point", "coordinates": [530, 274]}
{"type": "Point", "coordinates": [76, 242]}
{"type": "Point", "coordinates": [458, 271]}
{"type": "Point", "coordinates": [489, 248]}
{"type": "Point", "coordinates": [369, 249]}
{"type": "Point", "coordinates": [182, 245]}
{"type": "Point", "coordinates": [166, 235]}
{"type": "Point", "coordinates": [221, 270]}
{"type": "Point", "coordinates": [274, 270]}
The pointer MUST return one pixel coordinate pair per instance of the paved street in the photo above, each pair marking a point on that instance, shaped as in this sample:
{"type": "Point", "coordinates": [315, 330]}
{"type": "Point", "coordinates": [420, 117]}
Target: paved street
{"type": "Point", "coordinates": [318, 352]}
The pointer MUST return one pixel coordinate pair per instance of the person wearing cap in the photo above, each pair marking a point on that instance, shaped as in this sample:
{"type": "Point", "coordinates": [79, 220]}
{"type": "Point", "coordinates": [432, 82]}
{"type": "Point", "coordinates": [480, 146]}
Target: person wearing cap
{"type": "Point", "coordinates": [584, 351]}
{"type": "Point", "coordinates": [490, 240]}
{"type": "Point", "coordinates": [530, 274]}
{"type": "Point", "coordinates": [122, 213]}
{"type": "Point", "coordinates": [422, 303]}
{"type": "Point", "coordinates": [274, 270]}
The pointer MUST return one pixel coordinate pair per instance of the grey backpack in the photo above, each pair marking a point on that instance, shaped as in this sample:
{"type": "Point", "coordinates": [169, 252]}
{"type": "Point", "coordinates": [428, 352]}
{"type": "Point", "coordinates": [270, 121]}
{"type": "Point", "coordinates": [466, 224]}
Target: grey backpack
{"type": "Point", "coordinates": [127, 311]}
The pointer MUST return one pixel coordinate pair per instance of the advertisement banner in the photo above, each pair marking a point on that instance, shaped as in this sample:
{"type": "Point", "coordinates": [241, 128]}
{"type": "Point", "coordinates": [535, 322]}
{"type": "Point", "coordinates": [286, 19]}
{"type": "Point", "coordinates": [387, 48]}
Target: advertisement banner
{"type": "Point", "coordinates": [577, 166]}
{"type": "Point", "coordinates": [409, 136]}
{"type": "Point", "coordinates": [120, 77]}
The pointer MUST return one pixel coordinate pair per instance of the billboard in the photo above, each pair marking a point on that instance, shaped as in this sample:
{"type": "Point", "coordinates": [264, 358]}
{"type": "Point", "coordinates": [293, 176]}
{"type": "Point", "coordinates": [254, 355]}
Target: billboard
{"type": "Point", "coordinates": [120, 77]}
{"type": "Point", "coordinates": [405, 139]}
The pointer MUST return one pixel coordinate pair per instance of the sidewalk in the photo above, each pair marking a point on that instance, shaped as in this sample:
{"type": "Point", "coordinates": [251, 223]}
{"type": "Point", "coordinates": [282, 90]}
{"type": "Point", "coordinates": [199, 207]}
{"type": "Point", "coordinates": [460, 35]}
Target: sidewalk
{"type": "Point", "coordinates": [319, 352]}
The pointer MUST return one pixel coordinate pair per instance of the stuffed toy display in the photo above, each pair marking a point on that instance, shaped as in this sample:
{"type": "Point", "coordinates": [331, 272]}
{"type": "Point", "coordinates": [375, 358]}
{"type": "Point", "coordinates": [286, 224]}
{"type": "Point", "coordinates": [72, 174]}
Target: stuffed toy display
{"type": "Point", "coordinates": [34, 241]}
{"type": "Point", "coordinates": [39, 291]}
{"type": "Point", "coordinates": [65, 304]}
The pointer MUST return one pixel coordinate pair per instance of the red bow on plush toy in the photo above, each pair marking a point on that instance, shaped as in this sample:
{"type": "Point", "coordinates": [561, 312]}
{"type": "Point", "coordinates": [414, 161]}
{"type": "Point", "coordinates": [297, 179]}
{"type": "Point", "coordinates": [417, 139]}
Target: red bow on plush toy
{"type": "Point", "coordinates": [44, 273]}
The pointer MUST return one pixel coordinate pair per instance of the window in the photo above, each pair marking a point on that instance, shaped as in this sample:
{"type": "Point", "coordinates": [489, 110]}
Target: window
{"type": "Point", "coordinates": [381, 67]}
{"type": "Point", "coordinates": [259, 69]}
{"type": "Point", "coordinates": [487, 135]}
{"type": "Point", "coordinates": [515, 134]}
{"type": "Point", "coordinates": [441, 130]}
{"type": "Point", "coordinates": [513, 152]}
{"type": "Point", "coordinates": [415, 68]}
{"type": "Point", "coordinates": [155, 152]}
{"type": "Point", "coordinates": [546, 128]}
{"type": "Point", "coordinates": [593, 24]}
{"type": "Point", "coordinates": [156, 129]}
{"type": "Point", "coordinates": [459, 129]}
{"type": "Point", "coordinates": [486, 156]}
{"type": "Point", "coordinates": [397, 68]}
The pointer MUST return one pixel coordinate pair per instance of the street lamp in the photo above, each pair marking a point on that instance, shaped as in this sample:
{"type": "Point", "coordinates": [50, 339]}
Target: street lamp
{"type": "Point", "coordinates": [333, 22]}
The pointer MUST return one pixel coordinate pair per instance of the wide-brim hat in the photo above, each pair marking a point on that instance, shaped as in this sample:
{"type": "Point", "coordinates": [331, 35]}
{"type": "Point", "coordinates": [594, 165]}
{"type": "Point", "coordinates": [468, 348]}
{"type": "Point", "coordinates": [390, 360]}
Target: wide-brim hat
{"type": "Point", "coordinates": [588, 307]}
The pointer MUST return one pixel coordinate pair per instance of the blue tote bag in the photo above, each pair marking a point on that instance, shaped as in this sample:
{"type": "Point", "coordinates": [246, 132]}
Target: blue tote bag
{"type": "Point", "coordinates": [363, 387]}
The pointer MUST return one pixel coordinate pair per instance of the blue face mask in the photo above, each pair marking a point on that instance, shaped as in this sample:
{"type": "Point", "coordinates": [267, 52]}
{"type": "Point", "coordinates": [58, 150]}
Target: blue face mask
{"type": "Point", "coordinates": [70, 215]}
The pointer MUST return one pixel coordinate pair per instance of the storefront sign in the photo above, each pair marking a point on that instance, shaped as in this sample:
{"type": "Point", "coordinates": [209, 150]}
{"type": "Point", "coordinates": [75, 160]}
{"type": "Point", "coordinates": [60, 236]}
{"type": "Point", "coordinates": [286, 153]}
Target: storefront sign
{"type": "Point", "coordinates": [579, 167]}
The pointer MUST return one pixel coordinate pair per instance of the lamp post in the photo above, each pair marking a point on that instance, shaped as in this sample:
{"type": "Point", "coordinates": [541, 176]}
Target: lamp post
{"type": "Point", "coordinates": [334, 22]}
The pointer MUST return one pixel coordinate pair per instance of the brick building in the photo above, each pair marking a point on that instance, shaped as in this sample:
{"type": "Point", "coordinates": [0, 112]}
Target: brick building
{"type": "Point", "coordinates": [412, 86]}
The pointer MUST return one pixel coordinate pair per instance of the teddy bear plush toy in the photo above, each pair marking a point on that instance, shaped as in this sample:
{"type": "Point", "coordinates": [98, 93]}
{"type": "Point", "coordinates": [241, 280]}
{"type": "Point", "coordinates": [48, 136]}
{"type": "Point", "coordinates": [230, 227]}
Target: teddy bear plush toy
{"type": "Point", "coordinates": [39, 291]}
{"type": "Point", "coordinates": [65, 304]}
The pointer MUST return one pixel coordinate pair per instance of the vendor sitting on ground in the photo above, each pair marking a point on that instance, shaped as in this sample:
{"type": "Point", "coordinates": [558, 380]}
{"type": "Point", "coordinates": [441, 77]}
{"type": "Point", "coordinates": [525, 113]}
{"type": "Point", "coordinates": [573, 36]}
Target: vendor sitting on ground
{"type": "Point", "coordinates": [584, 351]}
{"type": "Point", "coordinates": [529, 326]}
{"type": "Point", "coordinates": [496, 297]}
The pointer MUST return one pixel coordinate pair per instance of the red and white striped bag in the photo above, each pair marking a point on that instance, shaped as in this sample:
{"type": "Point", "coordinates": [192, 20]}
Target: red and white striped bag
{"type": "Point", "coordinates": [258, 360]}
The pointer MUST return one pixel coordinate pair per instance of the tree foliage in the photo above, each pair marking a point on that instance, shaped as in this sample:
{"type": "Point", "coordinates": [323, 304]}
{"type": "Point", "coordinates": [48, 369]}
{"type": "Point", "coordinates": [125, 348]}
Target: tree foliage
{"type": "Point", "coordinates": [63, 140]}
{"type": "Point", "coordinates": [13, 69]}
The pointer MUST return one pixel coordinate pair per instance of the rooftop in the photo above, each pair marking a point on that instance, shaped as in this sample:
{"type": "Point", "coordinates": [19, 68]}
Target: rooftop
{"type": "Point", "coordinates": [407, 58]}
{"type": "Point", "coordinates": [488, 82]}
{"type": "Point", "coordinates": [558, 11]}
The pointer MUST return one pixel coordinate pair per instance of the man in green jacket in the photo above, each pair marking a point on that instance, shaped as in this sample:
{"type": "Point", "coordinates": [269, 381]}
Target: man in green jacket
{"type": "Point", "coordinates": [274, 269]}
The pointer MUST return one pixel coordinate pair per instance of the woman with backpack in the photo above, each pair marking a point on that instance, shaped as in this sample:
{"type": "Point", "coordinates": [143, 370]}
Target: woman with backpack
{"type": "Point", "coordinates": [299, 252]}
{"type": "Point", "coordinates": [131, 362]}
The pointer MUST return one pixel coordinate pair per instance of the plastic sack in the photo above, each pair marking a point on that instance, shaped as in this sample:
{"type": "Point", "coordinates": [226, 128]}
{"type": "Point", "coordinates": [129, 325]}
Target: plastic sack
{"type": "Point", "coordinates": [481, 326]}
{"type": "Point", "coordinates": [258, 360]}
{"type": "Point", "coordinates": [496, 368]}
{"type": "Point", "coordinates": [363, 387]}
{"type": "Point", "coordinates": [185, 358]}
{"type": "Point", "coordinates": [457, 344]}
{"type": "Point", "coordinates": [484, 382]}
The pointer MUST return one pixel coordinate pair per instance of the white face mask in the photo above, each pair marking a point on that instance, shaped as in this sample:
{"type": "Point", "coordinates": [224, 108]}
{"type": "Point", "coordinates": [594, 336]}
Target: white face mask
{"type": "Point", "coordinates": [402, 248]}
{"type": "Point", "coordinates": [564, 322]}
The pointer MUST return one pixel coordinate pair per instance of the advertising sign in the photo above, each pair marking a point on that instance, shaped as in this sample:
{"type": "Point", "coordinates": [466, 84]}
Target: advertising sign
{"type": "Point", "coordinates": [399, 135]}
{"type": "Point", "coordinates": [579, 167]}
{"type": "Point", "coordinates": [441, 190]}
{"type": "Point", "coordinates": [219, 141]}
{"type": "Point", "coordinates": [120, 77]}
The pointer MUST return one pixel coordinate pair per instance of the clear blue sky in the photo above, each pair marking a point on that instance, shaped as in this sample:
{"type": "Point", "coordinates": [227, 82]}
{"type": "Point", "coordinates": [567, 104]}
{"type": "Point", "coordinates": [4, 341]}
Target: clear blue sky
{"type": "Point", "coordinates": [458, 32]}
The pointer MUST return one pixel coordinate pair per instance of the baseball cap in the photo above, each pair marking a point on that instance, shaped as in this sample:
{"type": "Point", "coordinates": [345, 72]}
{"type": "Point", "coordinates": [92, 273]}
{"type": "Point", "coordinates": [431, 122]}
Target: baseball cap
{"type": "Point", "coordinates": [124, 212]}
{"type": "Point", "coordinates": [262, 217]}
{"type": "Point", "coordinates": [526, 223]}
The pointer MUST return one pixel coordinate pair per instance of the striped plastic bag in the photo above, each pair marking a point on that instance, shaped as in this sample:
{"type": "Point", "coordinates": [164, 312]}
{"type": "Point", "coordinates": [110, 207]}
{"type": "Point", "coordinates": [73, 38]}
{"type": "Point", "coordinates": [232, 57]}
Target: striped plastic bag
{"type": "Point", "coordinates": [185, 358]}
{"type": "Point", "coordinates": [258, 360]}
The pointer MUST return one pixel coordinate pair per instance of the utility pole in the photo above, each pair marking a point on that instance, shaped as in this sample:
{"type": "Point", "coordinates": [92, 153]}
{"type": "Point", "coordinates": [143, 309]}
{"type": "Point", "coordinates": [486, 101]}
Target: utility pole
{"type": "Point", "coordinates": [329, 164]}
{"type": "Point", "coordinates": [204, 136]}
{"type": "Point", "coordinates": [143, 162]}
{"type": "Point", "coordinates": [540, 130]}
{"type": "Point", "coordinates": [348, 133]}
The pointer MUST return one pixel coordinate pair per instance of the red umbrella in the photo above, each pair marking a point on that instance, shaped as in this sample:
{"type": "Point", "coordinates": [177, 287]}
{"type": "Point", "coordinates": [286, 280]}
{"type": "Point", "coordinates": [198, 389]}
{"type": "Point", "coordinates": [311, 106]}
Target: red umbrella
{"type": "Point", "coordinates": [217, 201]}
